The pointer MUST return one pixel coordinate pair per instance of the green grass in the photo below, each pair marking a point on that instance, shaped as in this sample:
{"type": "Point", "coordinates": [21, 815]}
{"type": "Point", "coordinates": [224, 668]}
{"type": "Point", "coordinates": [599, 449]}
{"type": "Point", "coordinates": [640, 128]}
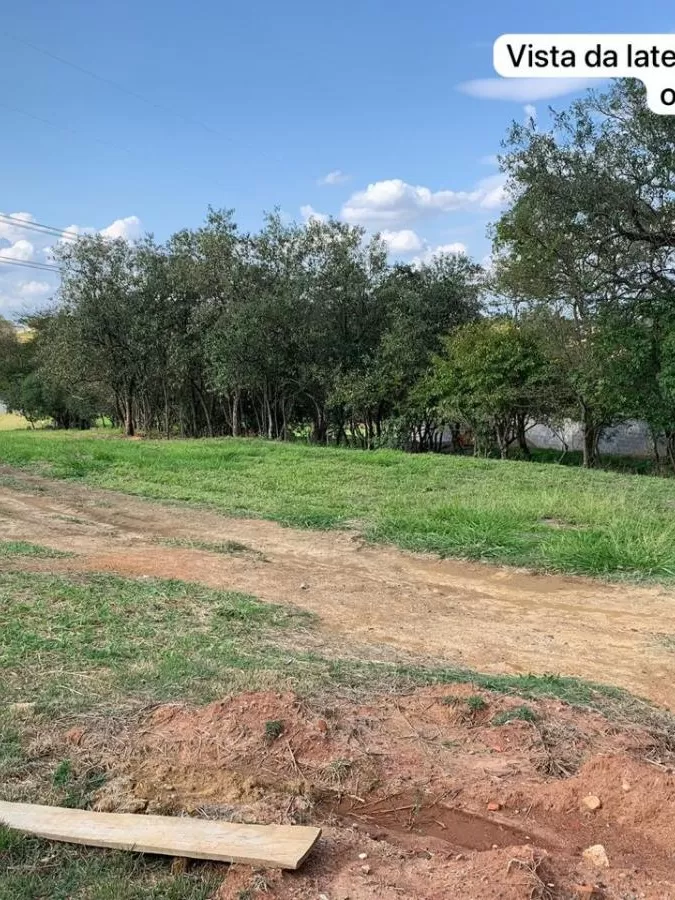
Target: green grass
{"type": "Point", "coordinates": [33, 869]}
{"type": "Point", "coordinates": [227, 548]}
{"type": "Point", "coordinates": [476, 703]}
{"type": "Point", "coordinates": [23, 548]}
{"type": "Point", "coordinates": [546, 517]}
{"type": "Point", "coordinates": [520, 713]}
{"type": "Point", "coordinates": [75, 642]}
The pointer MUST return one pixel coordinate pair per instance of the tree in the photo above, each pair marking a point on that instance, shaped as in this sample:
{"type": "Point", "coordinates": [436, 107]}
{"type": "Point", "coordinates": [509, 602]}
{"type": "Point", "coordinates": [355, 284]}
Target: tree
{"type": "Point", "coordinates": [12, 360]}
{"type": "Point", "coordinates": [493, 377]}
{"type": "Point", "coordinates": [420, 306]}
{"type": "Point", "coordinates": [588, 236]}
{"type": "Point", "coordinates": [103, 318]}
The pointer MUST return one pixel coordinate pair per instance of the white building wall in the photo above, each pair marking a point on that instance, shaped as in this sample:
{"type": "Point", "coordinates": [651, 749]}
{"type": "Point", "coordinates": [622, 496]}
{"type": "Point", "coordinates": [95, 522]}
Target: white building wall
{"type": "Point", "coordinates": [631, 438]}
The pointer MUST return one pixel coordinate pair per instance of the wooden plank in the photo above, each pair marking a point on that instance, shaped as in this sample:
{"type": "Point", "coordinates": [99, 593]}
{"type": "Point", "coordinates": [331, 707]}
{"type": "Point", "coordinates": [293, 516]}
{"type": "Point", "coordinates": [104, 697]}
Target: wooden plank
{"type": "Point", "coordinates": [275, 846]}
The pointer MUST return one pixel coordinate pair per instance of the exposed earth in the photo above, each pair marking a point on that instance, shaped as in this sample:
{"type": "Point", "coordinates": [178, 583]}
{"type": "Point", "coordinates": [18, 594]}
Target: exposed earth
{"type": "Point", "coordinates": [445, 792]}
{"type": "Point", "coordinates": [489, 618]}
{"type": "Point", "coordinates": [421, 796]}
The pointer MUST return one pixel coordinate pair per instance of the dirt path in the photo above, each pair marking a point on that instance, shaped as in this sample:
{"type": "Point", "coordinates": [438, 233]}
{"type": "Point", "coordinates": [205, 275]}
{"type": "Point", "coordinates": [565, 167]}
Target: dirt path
{"type": "Point", "coordinates": [489, 618]}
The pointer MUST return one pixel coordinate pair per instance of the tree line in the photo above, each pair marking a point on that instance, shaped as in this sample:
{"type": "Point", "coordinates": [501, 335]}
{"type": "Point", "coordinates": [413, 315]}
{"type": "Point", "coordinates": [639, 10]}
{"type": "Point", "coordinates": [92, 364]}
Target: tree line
{"type": "Point", "coordinates": [307, 330]}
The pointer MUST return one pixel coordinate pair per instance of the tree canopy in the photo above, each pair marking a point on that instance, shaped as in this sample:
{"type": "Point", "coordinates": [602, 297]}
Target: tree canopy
{"type": "Point", "coordinates": [308, 331]}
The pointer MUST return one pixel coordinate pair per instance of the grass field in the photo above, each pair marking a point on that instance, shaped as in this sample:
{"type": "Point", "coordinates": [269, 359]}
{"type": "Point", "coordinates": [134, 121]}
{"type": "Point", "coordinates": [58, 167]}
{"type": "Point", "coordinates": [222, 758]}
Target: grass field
{"type": "Point", "coordinates": [547, 517]}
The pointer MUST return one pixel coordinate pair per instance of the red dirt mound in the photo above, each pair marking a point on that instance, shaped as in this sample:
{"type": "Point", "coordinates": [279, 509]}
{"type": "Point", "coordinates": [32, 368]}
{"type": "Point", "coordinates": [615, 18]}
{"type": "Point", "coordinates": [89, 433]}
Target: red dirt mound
{"type": "Point", "coordinates": [420, 796]}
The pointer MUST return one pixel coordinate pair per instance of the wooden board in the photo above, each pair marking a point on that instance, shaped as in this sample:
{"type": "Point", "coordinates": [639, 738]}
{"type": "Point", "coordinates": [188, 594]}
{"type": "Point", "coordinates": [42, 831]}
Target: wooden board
{"type": "Point", "coordinates": [275, 846]}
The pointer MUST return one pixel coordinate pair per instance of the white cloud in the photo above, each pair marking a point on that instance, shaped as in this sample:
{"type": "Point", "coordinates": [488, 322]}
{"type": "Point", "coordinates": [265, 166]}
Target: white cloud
{"type": "Point", "coordinates": [394, 202]}
{"type": "Point", "coordinates": [128, 228]}
{"type": "Point", "coordinates": [11, 232]}
{"type": "Point", "coordinates": [431, 253]}
{"type": "Point", "coordinates": [489, 160]}
{"type": "Point", "coordinates": [530, 113]}
{"type": "Point", "coordinates": [404, 241]}
{"type": "Point", "coordinates": [337, 176]}
{"type": "Point", "coordinates": [309, 214]}
{"type": "Point", "coordinates": [34, 289]}
{"type": "Point", "coordinates": [22, 250]}
{"type": "Point", "coordinates": [524, 90]}
{"type": "Point", "coordinates": [18, 293]}
{"type": "Point", "coordinates": [488, 263]}
{"type": "Point", "coordinates": [493, 191]}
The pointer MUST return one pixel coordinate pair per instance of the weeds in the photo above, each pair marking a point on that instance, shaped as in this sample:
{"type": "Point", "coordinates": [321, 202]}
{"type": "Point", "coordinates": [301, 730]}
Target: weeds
{"type": "Point", "coordinates": [476, 703]}
{"type": "Point", "coordinates": [558, 754]}
{"type": "Point", "coordinates": [273, 730]}
{"type": "Point", "coordinates": [32, 868]}
{"type": "Point", "coordinates": [519, 713]}
{"type": "Point", "coordinates": [228, 548]}
{"type": "Point", "coordinates": [76, 790]}
{"type": "Point", "coordinates": [338, 771]}
{"type": "Point", "coordinates": [23, 548]}
{"type": "Point", "coordinates": [536, 876]}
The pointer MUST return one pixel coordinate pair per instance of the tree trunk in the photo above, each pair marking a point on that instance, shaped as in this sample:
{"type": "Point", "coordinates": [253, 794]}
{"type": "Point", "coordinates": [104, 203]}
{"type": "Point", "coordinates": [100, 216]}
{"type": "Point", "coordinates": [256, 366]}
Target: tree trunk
{"type": "Point", "coordinates": [670, 447]}
{"type": "Point", "coordinates": [236, 422]}
{"type": "Point", "coordinates": [501, 433]}
{"type": "Point", "coordinates": [129, 425]}
{"type": "Point", "coordinates": [591, 436]}
{"type": "Point", "coordinates": [319, 427]}
{"type": "Point", "coordinates": [268, 414]}
{"type": "Point", "coordinates": [655, 435]}
{"type": "Point", "coordinates": [284, 419]}
{"type": "Point", "coordinates": [167, 429]}
{"type": "Point", "coordinates": [521, 420]}
{"type": "Point", "coordinates": [207, 415]}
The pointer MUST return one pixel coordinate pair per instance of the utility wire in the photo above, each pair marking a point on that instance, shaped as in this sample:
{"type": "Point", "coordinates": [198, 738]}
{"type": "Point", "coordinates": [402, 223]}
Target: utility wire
{"type": "Point", "coordinates": [29, 115]}
{"type": "Point", "coordinates": [29, 225]}
{"type": "Point", "coordinates": [26, 264]}
{"type": "Point", "coordinates": [165, 108]}
{"type": "Point", "coordinates": [159, 106]}
{"type": "Point", "coordinates": [116, 84]}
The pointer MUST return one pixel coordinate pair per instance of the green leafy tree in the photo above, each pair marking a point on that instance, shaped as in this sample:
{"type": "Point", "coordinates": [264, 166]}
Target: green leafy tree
{"type": "Point", "coordinates": [588, 239]}
{"type": "Point", "coordinates": [492, 376]}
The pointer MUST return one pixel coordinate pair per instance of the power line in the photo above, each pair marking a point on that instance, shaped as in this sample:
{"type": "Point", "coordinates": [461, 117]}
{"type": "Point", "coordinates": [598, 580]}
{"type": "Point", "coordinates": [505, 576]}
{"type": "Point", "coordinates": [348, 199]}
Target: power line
{"type": "Point", "coordinates": [39, 228]}
{"type": "Point", "coordinates": [80, 134]}
{"type": "Point", "coordinates": [66, 128]}
{"type": "Point", "coordinates": [26, 264]}
{"type": "Point", "coordinates": [116, 84]}
{"type": "Point", "coordinates": [49, 230]}
{"type": "Point", "coordinates": [162, 107]}
{"type": "Point", "coordinates": [165, 108]}
{"type": "Point", "coordinates": [29, 225]}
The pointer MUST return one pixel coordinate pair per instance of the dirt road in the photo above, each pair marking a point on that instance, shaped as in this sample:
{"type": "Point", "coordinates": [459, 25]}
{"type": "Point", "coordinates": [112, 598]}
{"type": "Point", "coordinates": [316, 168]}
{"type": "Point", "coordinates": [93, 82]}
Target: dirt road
{"type": "Point", "coordinates": [489, 618]}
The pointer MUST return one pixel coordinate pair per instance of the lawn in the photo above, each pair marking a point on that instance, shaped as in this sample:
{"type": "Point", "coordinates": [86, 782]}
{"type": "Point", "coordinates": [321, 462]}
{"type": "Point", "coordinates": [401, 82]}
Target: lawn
{"type": "Point", "coordinates": [543, 516]}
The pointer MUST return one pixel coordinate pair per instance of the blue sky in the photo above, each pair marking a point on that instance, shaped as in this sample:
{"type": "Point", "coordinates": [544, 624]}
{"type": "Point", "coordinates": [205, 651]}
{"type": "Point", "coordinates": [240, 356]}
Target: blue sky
{"type": "Point", "coordinates": [252, 106]}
